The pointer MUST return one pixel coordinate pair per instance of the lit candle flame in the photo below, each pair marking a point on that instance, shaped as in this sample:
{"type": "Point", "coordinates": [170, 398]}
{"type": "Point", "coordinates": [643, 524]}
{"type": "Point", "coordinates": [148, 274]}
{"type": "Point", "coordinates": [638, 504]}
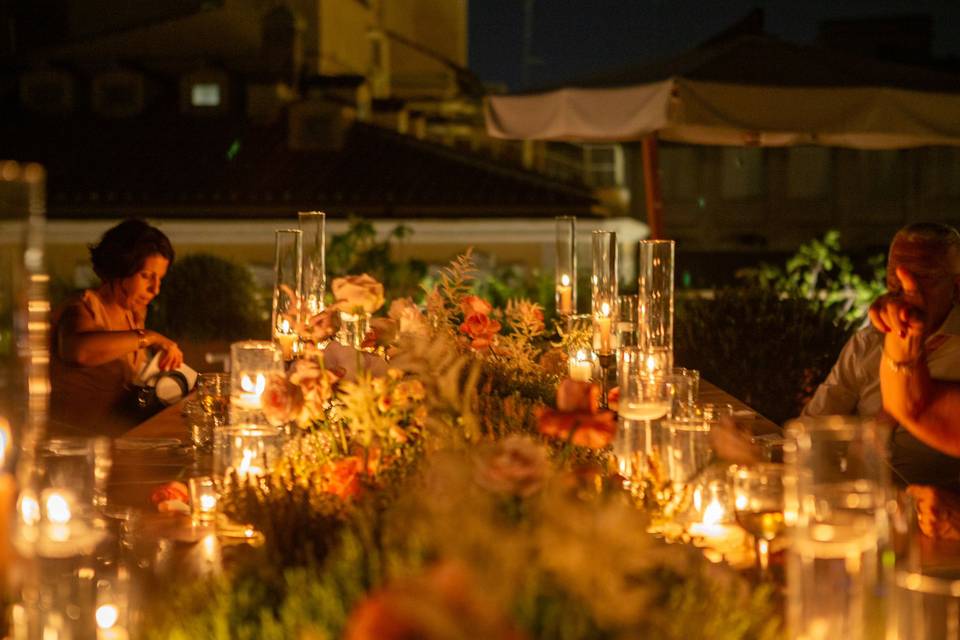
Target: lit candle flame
{"type": "Point", "coordinates": [29, 509]}
{"type": "Point", "coordinates": [247, 466]}
{"type": "Point", "coordinates": [58, 509]}
{"type": "Point", "coordinates": [208, 502]}
{"type": "Point", "coordinates": [248, 385]}
{"type": "Point", "coordinates": [565, 280]}
{"type": "Point", "coordinates": [107, 616]}
{"type": "Point", "coordinates": [605, 309]}
{"type": "Point", "coordinates": [285, 326]}
{"type": "Point", "coordinates": [714, 513]}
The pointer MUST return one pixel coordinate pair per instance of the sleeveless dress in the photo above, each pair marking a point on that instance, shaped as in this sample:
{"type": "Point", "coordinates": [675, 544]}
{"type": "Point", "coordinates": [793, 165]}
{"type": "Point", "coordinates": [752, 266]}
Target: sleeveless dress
{"type": "Point", "coordinates": [93, 400]}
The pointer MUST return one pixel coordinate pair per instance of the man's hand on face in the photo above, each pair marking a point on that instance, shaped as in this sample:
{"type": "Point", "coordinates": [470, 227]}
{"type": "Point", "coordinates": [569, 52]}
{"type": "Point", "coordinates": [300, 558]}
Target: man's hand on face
{"type": "Point", "coordinates": [900, 313]}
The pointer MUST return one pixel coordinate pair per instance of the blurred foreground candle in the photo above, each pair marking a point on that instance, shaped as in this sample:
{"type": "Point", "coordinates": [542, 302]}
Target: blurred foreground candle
{"type": "Point", "coordinates": [248, 451]}
{"type": "Point", "coordinates": [581, 367]}
{"type": "Point", "coordinates": [8, 496]}
{"type": "Point", "coordinates": [287, 275]}
{"type": "Point", "coordinates": [565, 275]}
{"type": "Point", "coordinates": [252, 362]}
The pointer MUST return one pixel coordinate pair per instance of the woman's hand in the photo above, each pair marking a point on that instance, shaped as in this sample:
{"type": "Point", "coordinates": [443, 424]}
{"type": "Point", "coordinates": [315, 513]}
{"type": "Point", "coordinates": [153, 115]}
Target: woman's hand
{"type": "Point", "coordinates": [171, 357]}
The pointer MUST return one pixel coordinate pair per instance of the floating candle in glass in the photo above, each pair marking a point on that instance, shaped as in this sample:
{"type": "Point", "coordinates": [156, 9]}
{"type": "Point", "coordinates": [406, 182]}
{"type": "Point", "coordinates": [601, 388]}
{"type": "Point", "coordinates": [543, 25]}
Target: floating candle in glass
{"type": "Point", "coordinates": [252, 362]}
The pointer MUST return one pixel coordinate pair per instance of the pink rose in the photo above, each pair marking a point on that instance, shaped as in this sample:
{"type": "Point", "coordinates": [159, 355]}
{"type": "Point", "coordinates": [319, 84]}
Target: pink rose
{"type": "Point", "coordinates": [474, 304]}
{"type": "Point", "coordinates": [357, 293]}
{"type": "Point", "coordinates": [516, 465]}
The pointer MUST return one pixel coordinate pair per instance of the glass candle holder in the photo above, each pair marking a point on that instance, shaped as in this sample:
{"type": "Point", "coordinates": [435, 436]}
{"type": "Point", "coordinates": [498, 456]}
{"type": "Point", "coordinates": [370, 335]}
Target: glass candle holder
{"type": "Point", "coordinates": [836, 491]}
{"type": "Point", "coordinates": [203, 500]}
{"type": "Point", "coordinates": [655, 294]}
{"type": "Point", "coordinates": [287, 280]}
{"type": "Point", "coordinates": [353, 329]}
{"type": "Point", "coordinates": [246, 452]}
{"type": "Point", "coordinates": [656, 360]}
{"type": "Point", "coordinates": [581, 365]}
{"type": "Point", "coordinates": [565, 276]}
{"type": "Point", "coordinates": [252, 362]}
{"type": "Point", "coordinates": [313, 225]}
{"type": "Point", "coordinates": [627, 321]}
{"type": "Point", "coordinates": [604, 291]}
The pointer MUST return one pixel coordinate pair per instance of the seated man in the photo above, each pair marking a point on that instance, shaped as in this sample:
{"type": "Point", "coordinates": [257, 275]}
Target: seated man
{"type": "Point", "coordinates": [932, 253]}
{"type": "Point", "coordinates": [853, 385]}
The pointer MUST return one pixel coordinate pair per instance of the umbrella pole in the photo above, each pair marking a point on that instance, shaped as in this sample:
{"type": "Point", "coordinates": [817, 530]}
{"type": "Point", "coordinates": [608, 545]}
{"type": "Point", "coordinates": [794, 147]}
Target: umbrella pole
{"type": "Point", "coordinates": [651, 186]}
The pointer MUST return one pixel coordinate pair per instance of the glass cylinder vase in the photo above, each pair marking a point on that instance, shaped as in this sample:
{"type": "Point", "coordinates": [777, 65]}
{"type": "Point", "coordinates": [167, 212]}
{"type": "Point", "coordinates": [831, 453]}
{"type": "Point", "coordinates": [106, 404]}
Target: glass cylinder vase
{"type": "Point", "coordinates": [313, 224]}
{"type": "Point", "coordinates": [839, 564]}
{"type": "Point", "coordinates": [287, 280]}
{"type": "Point", "coordinates": [565, 277]}
{"type": "Point", "coordinates": [604, 291]}
{"type": "Point", "coordinates": [353, 329]}
{"type": "Point", "coordinates": [252, 362]}
{"type": "Point", "coordinates": [655, 294]}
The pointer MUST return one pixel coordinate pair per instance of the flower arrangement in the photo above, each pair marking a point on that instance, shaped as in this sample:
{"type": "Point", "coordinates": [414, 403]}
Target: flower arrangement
{"type": "Point", "coordinates": [444, 481]}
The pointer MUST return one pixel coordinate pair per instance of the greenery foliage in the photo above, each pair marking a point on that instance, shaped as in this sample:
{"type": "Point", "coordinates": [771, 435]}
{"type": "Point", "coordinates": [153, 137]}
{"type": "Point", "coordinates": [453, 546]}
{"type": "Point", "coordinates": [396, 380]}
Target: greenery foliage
{"type": "Point", "coordinates": [821, 273]}
{"type": "Point", "coordinates": [205, 297]}
{"type": "Point", "coordinates": [357, 250]}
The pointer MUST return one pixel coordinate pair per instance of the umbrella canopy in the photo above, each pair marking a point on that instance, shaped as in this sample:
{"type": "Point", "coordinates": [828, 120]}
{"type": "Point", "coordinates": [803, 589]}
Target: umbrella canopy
{"type": "Point", "coordinates": [750, 90]}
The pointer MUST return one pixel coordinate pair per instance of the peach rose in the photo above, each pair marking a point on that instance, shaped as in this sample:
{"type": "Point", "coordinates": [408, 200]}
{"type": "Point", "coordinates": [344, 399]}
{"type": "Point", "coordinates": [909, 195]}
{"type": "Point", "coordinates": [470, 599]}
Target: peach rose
{"type": "Point", "coordinates": [481, 329]}
{"type": "Point", "coordinates": [357, 293]}
{"type": "Point", "coordinates": [408, 317]}
{"type": "Point", "coordinates": [282, 400]}
{"type": "Point", "coordinates": [474, 304]}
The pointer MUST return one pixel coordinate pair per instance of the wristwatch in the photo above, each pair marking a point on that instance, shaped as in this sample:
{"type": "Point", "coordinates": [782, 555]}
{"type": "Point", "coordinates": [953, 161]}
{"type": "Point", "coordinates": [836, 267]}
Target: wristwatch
{"type": "Point", "coordinates": [902, 366]}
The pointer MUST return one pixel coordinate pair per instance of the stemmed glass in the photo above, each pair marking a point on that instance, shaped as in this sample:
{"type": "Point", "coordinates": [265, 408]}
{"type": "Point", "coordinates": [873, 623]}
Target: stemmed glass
{"type": "Point", "coordinates": [758, 505]}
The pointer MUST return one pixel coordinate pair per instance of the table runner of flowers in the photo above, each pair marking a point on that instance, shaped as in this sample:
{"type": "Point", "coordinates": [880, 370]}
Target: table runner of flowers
{"type": "Point", "coordinates": [450, 483]}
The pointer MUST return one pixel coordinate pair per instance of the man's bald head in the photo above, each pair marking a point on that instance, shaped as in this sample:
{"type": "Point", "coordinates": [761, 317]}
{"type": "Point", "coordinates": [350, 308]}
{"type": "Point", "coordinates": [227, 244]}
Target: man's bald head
{"type": "Point", "coordinates": [931, 253]}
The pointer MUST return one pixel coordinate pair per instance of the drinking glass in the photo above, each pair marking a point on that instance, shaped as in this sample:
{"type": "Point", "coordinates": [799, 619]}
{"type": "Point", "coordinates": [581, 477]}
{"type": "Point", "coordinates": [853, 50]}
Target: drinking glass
{"type": "Point", "coordinates": [836, 495]}
{"type": "Point", "coordinates": [213, 390]}
{"type": "Point", "coordinates": [203, 500]}
{"type": "Point", "coordinates": [758, 504]}
{"type": "Point", "coordinates": [686, 389]}
{"type": "Point", "coordinates": [687, 450]}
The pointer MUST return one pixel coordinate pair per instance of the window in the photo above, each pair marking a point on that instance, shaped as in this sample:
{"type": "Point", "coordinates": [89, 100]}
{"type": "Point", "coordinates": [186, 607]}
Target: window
{"type": "Point", "coordinates": [742, 173]}
{"type": "Point", "coordinates": [205, 94]}
{"type": "Point", "coordinates": [603, 165]}
{"type": "Point", "coordinates": [808, 172]}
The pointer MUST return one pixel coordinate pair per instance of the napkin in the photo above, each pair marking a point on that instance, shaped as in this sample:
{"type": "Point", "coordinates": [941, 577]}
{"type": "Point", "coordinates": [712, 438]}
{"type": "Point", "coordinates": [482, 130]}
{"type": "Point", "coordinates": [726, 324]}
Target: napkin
{"type": "Point", "coordinates": [168, 391]}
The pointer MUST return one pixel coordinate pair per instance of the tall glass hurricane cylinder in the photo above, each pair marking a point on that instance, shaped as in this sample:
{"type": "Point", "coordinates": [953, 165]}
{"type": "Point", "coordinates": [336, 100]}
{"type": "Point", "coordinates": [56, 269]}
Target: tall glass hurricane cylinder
{"type": "Point", "coordinates": [655, 294]}
{"type": "Point", "coordinates": [604, 290]}
{"type": "Point", "coordinates": [287, 272]}
{"type": "Point", "coordinates": [566, 266]}
{"type": "Point", "coordinates": [836, 494]}
{"type": "Point", "coordinates": [313, 225]}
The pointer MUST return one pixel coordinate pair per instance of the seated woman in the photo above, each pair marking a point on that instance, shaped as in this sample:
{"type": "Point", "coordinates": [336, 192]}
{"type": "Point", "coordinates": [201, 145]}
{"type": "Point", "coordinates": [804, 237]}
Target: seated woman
{"type": "Point", "coordinates": [99, 339]}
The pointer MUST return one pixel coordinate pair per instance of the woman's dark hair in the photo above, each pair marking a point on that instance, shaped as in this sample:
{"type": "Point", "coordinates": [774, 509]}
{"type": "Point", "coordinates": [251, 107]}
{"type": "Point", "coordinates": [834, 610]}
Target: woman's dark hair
{"type": "Point", "coordinates": [124, 248]}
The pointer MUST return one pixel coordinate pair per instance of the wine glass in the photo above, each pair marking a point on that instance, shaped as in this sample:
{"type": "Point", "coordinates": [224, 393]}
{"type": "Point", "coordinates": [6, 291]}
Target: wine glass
{"type": "Point", "coordinates": [758, 505]}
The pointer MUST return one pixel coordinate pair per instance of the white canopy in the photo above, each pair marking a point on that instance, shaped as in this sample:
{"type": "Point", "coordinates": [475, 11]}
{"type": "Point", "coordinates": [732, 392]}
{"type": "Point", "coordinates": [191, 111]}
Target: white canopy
{"type": "Point", "coordinates": [754, 90]}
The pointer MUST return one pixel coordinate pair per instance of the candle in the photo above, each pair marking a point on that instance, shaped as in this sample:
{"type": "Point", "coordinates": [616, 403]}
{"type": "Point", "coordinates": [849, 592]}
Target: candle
{"type": "Point", "coordinates": [287, 340]}
{"type": "Point", "coordinates": [581, 368]}
{"type": "Point", "coordinates": [603, 327]}
{"type": "Point", "coordinates": [565, 294]}
{"type": "Point", "coordinates": [203, 498]}
{"type": "Point", "coordinates": [56, 504]}
{"type": "Point", "coordinates": [248, 466]}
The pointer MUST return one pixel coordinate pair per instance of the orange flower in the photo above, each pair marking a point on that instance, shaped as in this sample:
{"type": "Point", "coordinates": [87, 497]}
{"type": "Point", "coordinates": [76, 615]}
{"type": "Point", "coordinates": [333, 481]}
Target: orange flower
{"type": "Point", "coordinates": [582, 428]}
{"type": "Point", "coordinates": [170, 491]}
{"type": "Point", "coordinates": [576, 395]}
{"type": "Point", "coordinates": [475, 304]}
{"type": "Point", "coordinates": [342, 478]}
{"type": "Point", "coordinates": [613, 399]}
{"type": "Point", "coordinates": [481, 329]}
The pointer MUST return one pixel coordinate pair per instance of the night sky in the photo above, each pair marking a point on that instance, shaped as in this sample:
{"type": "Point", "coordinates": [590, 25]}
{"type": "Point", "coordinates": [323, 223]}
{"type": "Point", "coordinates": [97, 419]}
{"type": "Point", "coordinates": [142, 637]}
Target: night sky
{"type": "Point", "coordinates": [574, 38]}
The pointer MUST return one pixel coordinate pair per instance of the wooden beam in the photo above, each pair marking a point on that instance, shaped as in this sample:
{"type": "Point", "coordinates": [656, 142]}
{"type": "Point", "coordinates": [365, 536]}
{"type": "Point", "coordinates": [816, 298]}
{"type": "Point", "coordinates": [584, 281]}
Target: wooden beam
{"type": "Point", "coordinates": [651, 186]}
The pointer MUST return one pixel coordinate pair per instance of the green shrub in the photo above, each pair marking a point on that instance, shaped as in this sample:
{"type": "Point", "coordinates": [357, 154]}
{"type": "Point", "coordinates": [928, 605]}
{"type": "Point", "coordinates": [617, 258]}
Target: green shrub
{"type": "Point", "coordinates": [208, 298]}
{"type": "Point", "coordinates": [769, 351]}
{"type": "Point", "coordinates": [358, 250]}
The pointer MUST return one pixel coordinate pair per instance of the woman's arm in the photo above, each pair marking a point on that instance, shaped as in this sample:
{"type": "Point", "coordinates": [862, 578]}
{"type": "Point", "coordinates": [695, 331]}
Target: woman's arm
{"type": "Point", "coordinates": [80, 341]}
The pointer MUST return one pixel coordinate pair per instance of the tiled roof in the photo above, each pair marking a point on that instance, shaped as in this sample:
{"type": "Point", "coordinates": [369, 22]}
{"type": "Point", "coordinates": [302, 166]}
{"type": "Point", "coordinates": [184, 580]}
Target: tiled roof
{"type": "Point", "coordinates": [178, 166]}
